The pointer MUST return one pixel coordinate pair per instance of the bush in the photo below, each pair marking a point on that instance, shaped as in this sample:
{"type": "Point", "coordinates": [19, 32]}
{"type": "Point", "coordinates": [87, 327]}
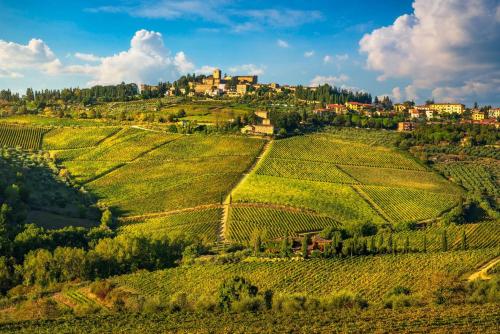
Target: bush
{"type": "Point", "coordinates": [344, 299]}
{"type": "Point", "coordinates": [101, 288]}
{"type": "Point", "coordinates": [233, 290]}
{"type": "Point", "coordinates": [248, 304]}
{"type": "Point", "coordinates": [484, 291]}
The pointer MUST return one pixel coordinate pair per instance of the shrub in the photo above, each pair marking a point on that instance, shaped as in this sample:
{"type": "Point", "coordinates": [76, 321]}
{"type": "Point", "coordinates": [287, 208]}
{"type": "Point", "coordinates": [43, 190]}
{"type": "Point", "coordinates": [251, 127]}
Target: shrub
{"type": "Point", "coordinates": [235, 289]}
{"type": "Point", "coordinates": [101, 288]}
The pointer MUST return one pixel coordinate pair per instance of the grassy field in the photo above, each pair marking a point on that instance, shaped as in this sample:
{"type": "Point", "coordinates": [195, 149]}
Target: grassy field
{"type": "Point", "coordinates": [371, 276]}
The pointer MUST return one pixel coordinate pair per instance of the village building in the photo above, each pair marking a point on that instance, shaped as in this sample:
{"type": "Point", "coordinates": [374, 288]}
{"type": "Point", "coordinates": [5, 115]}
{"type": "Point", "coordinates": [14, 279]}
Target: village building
{"type": "Point", "coordinates": [338, 108]}
{"type": "Point", "coordinates": [494, 113]}
{"type": "Point", "coordinates": [417, 114]}
{"type": "Point", "coordinates": [447, 108]}
{"type": "Point", "coordinates": [406, 126]}
{"type": "Point", "coordinates": [478, 115]}
{"type": "Point", "coordinates": [263, 124]}
{"type": "Point", "coordinates": [358, 106]}
{"type": "Point", "coordinates": [399, 107]}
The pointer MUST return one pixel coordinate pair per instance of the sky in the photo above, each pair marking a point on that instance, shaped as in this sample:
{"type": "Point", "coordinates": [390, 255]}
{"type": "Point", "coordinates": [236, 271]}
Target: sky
{"type": "Point", "coordinates": [448, 50]}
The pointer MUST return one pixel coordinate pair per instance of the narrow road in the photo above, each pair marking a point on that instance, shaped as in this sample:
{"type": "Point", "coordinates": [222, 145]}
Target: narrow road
{"type": "Point", "coordinates": [482, 273]}
{"type": "Point", "coordinates": [227, 200]}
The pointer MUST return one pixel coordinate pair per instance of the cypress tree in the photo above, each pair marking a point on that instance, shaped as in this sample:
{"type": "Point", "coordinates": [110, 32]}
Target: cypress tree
{"type": "Point", "coordinates": [305, 244]}
{"type": "Point", "coordinates": [381, 243]}
{"type": "Point", "coordinates": [464, 240]}
{"type": "Point", "coordinates": [373, 247]}
{"type": "Point", "coordinates": [407, 245]}
{"type": "Point", "coordinates": [444, 241]}
{"type": "Point", "coordinates": [390, 243]}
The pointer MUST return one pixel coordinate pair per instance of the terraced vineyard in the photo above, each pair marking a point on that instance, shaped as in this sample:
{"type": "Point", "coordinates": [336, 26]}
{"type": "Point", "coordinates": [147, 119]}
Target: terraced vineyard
{"type": "Point", "coordinates": [372, 276]}
{"type": "Point", "coordinates": [204, 224]}
{"type": "Point", "coordinates": [26, 137]}
{"type": "Point", "coordinates": [273, 222]}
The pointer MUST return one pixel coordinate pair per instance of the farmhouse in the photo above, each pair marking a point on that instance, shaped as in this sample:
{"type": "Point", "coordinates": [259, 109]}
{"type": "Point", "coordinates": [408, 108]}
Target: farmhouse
{"type": "Point", "coordinates": [263, 124]}
{"type": "Point", "coordinates": [478, 115]}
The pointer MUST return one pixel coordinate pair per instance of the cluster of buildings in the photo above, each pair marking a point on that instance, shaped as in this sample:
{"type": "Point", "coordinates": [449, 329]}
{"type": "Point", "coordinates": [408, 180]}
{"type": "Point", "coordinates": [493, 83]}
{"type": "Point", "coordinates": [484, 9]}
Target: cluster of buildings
{"type": "Point", "coordinates": [215, 84]}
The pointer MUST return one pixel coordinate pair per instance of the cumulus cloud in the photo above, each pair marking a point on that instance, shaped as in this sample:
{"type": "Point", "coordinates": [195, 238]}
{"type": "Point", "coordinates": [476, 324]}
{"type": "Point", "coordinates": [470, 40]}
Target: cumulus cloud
{"type": "Point", "coordinates": [86, 56]}
{"type": "Point", "coordinates": [282, 44]}
{"type": "Point", "coordinates": [451, 45]}
{"type": "Point", "coordinates": [327, 59]}
{"type": "Point", "coordinates": [309, 54]}
{"type": "Point", "coordinates": [36, 55]}
{"type": "Point", "coordinates": [250, 69]}
{"type": "Point", "coordinates": [182, 63]}
{"type": "Point", "coordinates": [331, 80]}
{"type": "Point", "coordinates": [146, 61]}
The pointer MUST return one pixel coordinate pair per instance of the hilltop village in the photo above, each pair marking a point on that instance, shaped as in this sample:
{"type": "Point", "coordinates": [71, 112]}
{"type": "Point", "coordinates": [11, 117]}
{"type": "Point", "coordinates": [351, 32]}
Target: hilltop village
{"type": "Point", "coordinates": [409, 114]}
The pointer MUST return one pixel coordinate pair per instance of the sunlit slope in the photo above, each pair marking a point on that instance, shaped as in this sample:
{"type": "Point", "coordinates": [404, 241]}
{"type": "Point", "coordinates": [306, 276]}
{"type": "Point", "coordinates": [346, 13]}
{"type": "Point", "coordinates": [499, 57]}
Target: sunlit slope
{"type": "Point", "coordinates": [346, 180]}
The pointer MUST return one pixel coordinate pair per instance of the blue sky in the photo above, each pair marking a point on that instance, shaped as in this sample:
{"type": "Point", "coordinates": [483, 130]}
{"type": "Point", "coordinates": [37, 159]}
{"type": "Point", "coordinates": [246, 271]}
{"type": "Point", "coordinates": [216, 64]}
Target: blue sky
{"type": "Point", "coordinates": [80, 43]}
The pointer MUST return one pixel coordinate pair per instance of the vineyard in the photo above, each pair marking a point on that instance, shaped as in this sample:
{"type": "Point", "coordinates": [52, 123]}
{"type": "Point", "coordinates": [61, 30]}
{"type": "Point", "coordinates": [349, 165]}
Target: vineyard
{"type": "Point", "coordinates": [345, 175]}
{"type": "Point", "coordinates": [431, 319]}
{"type": "Point", "coordinates": [326, 148]}
{"type": "Point", "coordinates": [26, 137]}
{"type": "Point", "coordinates": [404, 204]}
{"type": "Point", "coordinates": [273, 223]}
{"type": "Point", "coordinates": [479, 235]}
{"type": "Point", "coordinates": [204, 224]}
{"type": "Point", "coordinates": [371, 276]}
{"type": "Point", "coordinates": [71, 138]}
{"type": "Point", "coordinates": [474, 176]}
{"type": "Point", "coordinates": [341, 202]}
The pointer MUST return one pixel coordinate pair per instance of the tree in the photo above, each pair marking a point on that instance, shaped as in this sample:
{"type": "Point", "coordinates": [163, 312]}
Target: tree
{"type": "Point", "coordinates": [5, 243]}
{"type": "Point", "coordinates": [407, 245]}
{"type": "Point", "coordinates": [390, 243]}
{"type": "Point", "coordinates": [286, 246]}
{"type": "Point", "coordinates": [107, 219]}
{"type": "Point", "coordinates": [305, 244]}
{"type": "Point", "coordinates": [372, 248]}
{"type": "Point", "coordinates": [444, 241]}
{"type": "Point", "coordinates": [233, 290]}
{"type": "Point", "coordinates": [256, 241]}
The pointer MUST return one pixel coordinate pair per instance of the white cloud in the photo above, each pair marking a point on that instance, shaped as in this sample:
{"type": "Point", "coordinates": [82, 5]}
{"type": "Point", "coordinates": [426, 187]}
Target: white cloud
{"type": "Point", "coordinates": [327, 59]}
{"type": "Point", "coordinates": [182, 63]}
{"type": "Point", "coordinates": [250, 69]}
{"type": "Point", "coordinates": [396, 94]}
{"type": "Point", "coordinates": [331, 80]}
{"type": "Point", "coordinates": [309, 54]}
{"type": "Point", "coordinates": [36, 55]}
{"type": "Point", "coordinates": [205, 69]}
{"type": "Point", "coordinates": [282, 44]}
{"type": "Point", "coordinates": [86, 57]}
{"type": "Point", "coordinates": [9, 74]}
{"type": "Point", "coordinates": [444, 44]}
